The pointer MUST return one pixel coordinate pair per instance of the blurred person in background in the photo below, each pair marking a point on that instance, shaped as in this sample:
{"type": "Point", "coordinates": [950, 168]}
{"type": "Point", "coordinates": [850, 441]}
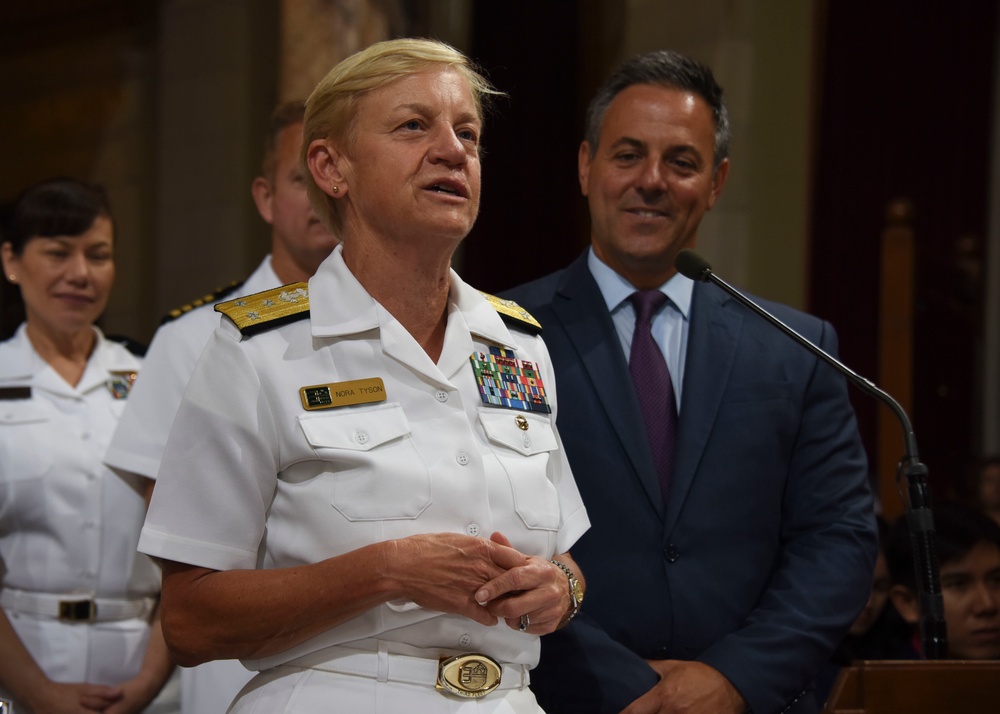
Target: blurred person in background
{"type": "Point", "coordinates": [878, 633]}
{"type": "Point", "coordinates": [967, 544]}
{"type": "Point", "coordinates": [299, 243]}
{"type": "Point", "coordinates": [79, 628]}
{"type": "Point", "coordinates": [988, 487]}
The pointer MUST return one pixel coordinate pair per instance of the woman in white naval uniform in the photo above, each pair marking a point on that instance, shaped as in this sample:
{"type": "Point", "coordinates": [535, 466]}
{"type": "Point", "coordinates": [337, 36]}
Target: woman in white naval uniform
{"type": "Point", "coordinates": [78, 601]}
{"type": "Point", "coordinates": [355, 499]}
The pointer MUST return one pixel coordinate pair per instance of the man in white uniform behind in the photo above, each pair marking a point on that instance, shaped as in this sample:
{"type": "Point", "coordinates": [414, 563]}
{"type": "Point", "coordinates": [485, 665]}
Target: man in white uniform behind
{"type": "Point", "coordinates": [299, 243]}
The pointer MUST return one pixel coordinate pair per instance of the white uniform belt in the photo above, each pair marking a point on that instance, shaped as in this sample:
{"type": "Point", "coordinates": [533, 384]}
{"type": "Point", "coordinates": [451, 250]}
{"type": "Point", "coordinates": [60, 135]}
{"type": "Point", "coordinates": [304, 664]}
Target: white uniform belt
{"type": "Point", "coordinates": [76, 608]}
{"type": "Point", "coordinates": [386, 667]}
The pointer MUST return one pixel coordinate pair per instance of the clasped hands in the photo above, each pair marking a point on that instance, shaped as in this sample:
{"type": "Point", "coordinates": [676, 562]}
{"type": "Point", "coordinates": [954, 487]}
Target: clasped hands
{"type": "Point", "coordinates": [484, 580]}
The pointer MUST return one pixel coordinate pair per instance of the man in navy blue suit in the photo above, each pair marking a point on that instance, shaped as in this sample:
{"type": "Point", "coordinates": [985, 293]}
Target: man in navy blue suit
{"type": "Point", "coordinates": [727, 588]}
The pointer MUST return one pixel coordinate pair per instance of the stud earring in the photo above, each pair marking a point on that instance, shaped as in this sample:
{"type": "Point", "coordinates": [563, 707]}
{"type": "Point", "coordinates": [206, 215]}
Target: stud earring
{"type": "Point", "coordinates": [13, 278]}
{"type": "Point", "coordinates": [336, 188]}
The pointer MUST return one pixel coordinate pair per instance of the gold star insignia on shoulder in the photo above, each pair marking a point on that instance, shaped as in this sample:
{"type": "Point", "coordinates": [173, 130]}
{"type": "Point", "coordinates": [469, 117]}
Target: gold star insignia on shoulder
{"type": "Point", "coordinates": [270, 308]}
{"type": "Point", "coordinates": [513, 313]}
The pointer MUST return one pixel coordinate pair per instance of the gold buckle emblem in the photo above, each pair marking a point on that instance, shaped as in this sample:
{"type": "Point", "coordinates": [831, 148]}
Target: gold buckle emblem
{"type": "Point", "coordinates": [470, 675]}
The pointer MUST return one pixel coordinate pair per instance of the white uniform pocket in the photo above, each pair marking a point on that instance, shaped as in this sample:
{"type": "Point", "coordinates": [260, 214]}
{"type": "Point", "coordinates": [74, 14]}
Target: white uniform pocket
{"type": "Point", "coordinates": [377, 473]}
{"type": "Point", "coordinates": [524, 455]}
{"type": "Point", "coordinates": [25, 440]}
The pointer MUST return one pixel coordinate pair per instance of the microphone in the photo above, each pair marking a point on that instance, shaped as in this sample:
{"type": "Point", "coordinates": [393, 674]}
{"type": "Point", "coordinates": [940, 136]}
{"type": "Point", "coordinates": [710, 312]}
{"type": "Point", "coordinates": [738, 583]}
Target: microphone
{"type": "Point", "coordinates": [919, 516]}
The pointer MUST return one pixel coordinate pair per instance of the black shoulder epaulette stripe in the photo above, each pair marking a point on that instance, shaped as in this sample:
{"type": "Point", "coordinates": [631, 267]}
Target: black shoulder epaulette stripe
{"type": "Point", "coordinates": [268, 309]}
{"type": "Point", "coordinates": [207, 299]}
{"type": "Point", "coordinates": [134, 346]}
{"type": "Point", "coordinates": [514, 314]}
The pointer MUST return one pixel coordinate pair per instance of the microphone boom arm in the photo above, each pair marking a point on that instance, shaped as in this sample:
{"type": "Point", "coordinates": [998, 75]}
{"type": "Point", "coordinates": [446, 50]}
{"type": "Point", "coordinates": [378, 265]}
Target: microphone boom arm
{"type": "Point", "coordinates": [920, 519]}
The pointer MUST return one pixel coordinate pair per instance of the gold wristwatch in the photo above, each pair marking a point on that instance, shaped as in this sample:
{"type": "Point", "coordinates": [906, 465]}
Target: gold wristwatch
{"type": "Point", "coordinates": [575, 591]}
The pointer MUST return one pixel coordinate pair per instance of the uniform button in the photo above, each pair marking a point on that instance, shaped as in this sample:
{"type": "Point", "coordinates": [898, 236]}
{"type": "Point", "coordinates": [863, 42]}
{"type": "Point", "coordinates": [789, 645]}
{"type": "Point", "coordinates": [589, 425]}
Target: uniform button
{"type": "Point", "coordinates": [472, 529]}
{"type": "Point", "coordinates": [91, 476]}
{"type": "Point", "coordinates": [441, 395]}
{"type": "Point", "coordinates": [672, 553]}
{"type": "Point", "coordinates": [462, 458]}
{"type": "Point", "coordinates": [361, 437]}
{"type": "Point", "coordinates": [88, 524]}
{"type": "Point", "coordinates": [526, 441]}
{"type": "Point", "coordinates": [464, 640]}
{"type": "Point", "coordinates": [85, 436]}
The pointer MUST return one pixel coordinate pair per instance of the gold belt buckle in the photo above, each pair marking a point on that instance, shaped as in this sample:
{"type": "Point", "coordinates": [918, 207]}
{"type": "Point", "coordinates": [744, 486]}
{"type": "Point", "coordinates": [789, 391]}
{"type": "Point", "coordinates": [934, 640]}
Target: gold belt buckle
{"type": "Point", "coordinates": [77, 610]}
{"type": "Point", "coordinates": [469, 675]}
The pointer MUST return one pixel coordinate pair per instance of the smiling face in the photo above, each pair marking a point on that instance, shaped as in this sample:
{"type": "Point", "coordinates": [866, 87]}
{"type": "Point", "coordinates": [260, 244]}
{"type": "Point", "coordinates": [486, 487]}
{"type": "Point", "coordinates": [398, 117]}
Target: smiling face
{"type": "Point", "coordinates": [65, 281]}
{"type": "Point", "coordinates": [650, 180]}
{"type": "Point", "coordinates": [411, 168]}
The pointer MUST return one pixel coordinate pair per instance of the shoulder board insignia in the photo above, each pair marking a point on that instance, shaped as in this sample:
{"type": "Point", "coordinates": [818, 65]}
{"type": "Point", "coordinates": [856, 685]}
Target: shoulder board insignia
{"type": "Point", "coordinates": [270, 308]}
{"type": "Point", "coordinates": [514, 314]}
{"type": "Point", "coordinates": [207, 299]}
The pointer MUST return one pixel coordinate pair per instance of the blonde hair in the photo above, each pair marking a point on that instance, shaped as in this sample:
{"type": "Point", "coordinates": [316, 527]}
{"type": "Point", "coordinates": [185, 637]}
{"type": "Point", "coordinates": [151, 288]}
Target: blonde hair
{"type": "Point", "coordinates": [331, 107]}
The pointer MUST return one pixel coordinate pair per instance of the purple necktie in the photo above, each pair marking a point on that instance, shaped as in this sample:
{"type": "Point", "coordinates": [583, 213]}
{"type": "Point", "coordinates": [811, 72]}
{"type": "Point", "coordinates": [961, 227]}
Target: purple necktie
{"type": "Point", "coordinates": [653, 385]}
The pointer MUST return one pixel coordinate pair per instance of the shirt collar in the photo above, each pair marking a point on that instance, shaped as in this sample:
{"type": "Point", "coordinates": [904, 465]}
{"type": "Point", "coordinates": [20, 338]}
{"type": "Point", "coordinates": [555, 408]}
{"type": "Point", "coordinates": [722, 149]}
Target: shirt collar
{"type": "Point", "coordinates": [615, 289]}
{"type": "Point", "coordinates": [339, 305]}
{"type": "Point", "coordinates": [22, 363]}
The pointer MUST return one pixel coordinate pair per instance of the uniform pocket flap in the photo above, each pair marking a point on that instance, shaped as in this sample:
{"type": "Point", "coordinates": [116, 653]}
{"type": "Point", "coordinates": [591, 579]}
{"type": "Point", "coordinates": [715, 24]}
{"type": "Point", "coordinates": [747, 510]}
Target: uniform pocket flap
{"type": "Point", "coordinates": [507, 427]}
{"type": "Point", "coordinates": [22, 412]}
{"type": "Point", "coordinates": [357, 429]}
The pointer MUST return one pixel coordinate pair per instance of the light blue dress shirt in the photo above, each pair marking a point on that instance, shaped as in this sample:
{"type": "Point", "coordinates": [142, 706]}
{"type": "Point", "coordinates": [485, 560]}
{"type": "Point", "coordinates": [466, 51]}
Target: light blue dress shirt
{"type": "Point", "coordinates": [670, 324]}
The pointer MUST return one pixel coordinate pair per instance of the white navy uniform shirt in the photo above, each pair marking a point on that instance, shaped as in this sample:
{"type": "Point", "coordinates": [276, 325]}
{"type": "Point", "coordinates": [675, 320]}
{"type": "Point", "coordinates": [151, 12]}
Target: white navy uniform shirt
{"type": "Point", "coordinates": [138, 443]}
{"type": "Point", "coordinates": [68, 524]}
{"type": "Point", "coordinates": [250, 479]}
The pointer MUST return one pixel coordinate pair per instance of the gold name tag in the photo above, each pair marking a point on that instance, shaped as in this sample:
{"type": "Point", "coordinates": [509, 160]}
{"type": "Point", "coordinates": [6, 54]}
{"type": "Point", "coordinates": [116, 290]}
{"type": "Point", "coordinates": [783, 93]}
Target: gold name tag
{"type": "Point", "coordinates": [342, 394]}
{"type": "Point", "coordinates": [470, 676]}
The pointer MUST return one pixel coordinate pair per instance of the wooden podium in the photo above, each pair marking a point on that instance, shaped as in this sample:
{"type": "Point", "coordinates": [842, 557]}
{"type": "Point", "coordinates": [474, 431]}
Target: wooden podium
{"type": "Point", "coordinates": [922, 687]}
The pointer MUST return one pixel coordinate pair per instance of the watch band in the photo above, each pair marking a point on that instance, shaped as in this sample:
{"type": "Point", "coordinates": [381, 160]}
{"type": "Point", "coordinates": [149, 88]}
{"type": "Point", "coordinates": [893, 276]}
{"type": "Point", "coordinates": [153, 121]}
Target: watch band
{"type": "Point", "coordinates": [574, 585]}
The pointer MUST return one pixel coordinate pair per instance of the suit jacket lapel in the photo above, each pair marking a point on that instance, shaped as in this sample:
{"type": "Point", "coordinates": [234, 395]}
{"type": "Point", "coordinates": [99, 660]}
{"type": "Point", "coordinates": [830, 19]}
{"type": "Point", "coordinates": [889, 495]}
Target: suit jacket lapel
{"type": "Point", "coordinates": [580, 308]}
{"type": "Point", "coordinates": [712, 339]}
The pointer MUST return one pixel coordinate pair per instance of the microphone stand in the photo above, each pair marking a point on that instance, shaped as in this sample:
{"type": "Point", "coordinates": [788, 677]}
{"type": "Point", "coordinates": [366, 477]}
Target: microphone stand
{"type": "Point", "coordinates": [919, 516]}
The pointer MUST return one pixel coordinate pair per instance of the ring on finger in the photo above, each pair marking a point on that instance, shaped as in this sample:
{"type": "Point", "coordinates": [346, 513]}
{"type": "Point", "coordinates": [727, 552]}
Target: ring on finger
{"type": "Point", "coordinates": [524, 624]}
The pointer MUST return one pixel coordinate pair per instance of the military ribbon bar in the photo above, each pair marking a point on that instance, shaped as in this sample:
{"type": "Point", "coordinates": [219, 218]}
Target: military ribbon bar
{"type": "Point", "coordinates": [506, 381]}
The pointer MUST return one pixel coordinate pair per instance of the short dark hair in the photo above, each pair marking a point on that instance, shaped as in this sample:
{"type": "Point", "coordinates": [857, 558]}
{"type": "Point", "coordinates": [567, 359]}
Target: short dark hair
{"type": "Point", "coordinates": [55, 207]}
{"type": "Point", "coordinates": [669, 69]}
{"type": "Point", "coordinates": [957, 530]}
{"type": "Point", "coordinates": [284, 115]}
